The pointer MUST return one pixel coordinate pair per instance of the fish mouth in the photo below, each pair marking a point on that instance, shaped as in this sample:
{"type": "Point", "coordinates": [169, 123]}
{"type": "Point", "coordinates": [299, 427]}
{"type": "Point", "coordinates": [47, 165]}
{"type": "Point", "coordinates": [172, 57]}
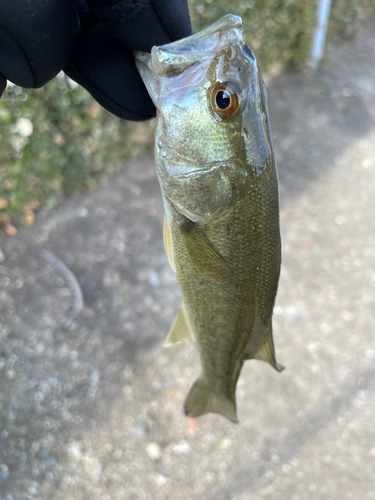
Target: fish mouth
{"type": "Point", "coordinates": [225, 23]}
{"type": "Point", "coordinates": [174, 58]}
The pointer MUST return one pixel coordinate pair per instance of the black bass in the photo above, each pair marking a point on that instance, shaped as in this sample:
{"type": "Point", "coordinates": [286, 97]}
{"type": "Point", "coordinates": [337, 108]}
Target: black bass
{"type": "Point", "coordinates": [216, 168]}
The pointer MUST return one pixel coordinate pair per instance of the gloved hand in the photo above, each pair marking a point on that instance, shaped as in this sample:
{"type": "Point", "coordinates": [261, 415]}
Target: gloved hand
{"type": "Point", "coordinates": [93, 42]}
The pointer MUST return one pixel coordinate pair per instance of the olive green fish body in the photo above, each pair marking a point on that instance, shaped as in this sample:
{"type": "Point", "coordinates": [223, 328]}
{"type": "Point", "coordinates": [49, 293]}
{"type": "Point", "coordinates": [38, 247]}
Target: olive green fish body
{"type": "Point", "coordinates": [220, 191]}
{"type": "Point", "coordinates": [230, 318]}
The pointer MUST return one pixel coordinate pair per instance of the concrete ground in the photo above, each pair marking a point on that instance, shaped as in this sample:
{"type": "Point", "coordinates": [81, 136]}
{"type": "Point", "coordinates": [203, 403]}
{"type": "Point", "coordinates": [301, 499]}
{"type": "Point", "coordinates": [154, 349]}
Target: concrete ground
{"type": "Point", "coordinates": [94, 411]}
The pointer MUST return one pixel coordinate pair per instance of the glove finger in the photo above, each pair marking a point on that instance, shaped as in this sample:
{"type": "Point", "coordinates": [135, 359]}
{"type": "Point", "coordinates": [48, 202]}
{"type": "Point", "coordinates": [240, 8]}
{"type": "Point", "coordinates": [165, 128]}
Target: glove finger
{"type": "Point", "coordinates": [107, 70]}
{"type": "Point", "coordinates": [36, 38]}
{"type": "Point", "coordinates": [3, 84]}
{"type": "Point", "coordinates": [141, 24]}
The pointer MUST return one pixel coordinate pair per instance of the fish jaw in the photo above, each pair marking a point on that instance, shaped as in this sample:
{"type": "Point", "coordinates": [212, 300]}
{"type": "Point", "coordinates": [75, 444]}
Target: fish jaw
{"type": "Point", "coordinates": [174, 58]}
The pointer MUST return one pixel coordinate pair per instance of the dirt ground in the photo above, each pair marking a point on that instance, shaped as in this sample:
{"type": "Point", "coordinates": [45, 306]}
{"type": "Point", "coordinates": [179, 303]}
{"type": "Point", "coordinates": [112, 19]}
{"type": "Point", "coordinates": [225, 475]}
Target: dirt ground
{"type": "Point", "coordinates": [91, 409]}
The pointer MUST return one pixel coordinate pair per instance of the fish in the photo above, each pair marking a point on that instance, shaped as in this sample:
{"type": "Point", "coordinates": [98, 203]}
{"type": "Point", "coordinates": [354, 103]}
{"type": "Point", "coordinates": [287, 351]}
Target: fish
{"type": "Point", "coordinates": [216, 168]}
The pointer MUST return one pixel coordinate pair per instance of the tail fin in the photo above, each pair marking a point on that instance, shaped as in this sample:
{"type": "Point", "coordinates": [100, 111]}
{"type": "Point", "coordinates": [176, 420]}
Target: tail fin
{"type": "Point", "coordinates": [202, 400]}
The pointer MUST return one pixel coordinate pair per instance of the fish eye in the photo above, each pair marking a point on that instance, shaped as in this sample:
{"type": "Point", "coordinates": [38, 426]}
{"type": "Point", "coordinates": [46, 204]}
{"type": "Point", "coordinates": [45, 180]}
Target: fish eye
{"type": "Point", "coordinates": [224, 100]}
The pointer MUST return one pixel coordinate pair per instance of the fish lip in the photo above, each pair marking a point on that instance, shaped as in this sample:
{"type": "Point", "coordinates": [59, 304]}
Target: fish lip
{"type": "Point", "coordinates": [174, 58]}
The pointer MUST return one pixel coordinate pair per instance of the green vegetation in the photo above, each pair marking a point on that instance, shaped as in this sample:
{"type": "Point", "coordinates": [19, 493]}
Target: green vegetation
{"type": "Point", "coordinates": [280, 31]}
{"type": "Point", "coordinates": [347, 17]}
{"type": "Point", "coordinates": [57, 140]}
{"type": "Point", "coordinates": [277, 31]}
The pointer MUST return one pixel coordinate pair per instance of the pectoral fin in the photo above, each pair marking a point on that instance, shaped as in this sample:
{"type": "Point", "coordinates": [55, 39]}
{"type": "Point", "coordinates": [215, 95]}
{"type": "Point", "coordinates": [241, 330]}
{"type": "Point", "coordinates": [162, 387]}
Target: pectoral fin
{"type": "Point", "coordinates": [180, 331]}
{"type": "Point", "coordinates": [202, 253]}
{"type": "Point", "coordinates": [168, 244]}
{"type": "Point", "coordinates": [267, 351]}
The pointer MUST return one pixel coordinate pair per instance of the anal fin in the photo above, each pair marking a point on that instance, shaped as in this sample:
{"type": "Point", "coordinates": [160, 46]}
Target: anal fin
{"type": "Point", "coordinates": [180, 331]}
{"type": "Point", "coordinates": [267, 351]}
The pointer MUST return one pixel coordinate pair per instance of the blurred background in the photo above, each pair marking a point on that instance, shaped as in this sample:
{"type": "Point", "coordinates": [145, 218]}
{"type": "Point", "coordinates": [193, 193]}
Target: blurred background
{"type": "Point", "coordinates": [91, 404]}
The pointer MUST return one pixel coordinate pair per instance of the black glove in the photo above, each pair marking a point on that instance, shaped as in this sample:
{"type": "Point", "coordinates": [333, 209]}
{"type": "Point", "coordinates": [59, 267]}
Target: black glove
{"type": "Point", "coordinates": [92, 42]}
